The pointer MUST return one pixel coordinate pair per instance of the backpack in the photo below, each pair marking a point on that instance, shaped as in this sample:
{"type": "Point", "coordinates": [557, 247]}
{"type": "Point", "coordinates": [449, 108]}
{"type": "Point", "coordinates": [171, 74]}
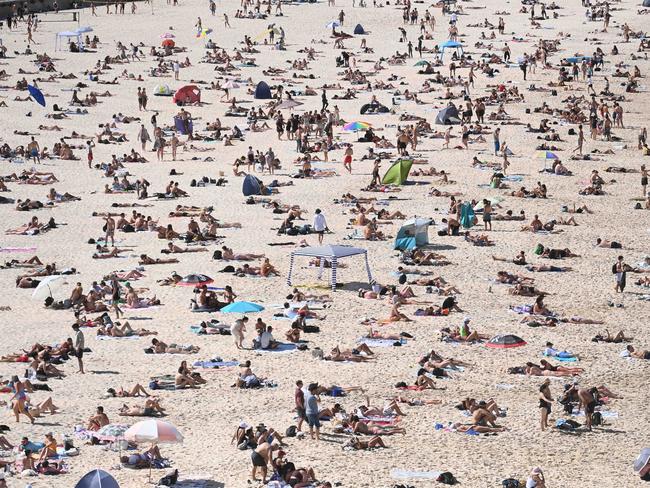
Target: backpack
{"type": "Point", "coordinates": [511, 483]}
{"type": "Point", "coordinates": [614, 268]}
{"type": "Point", "coordinates": [292, 430]}
{"type": "Point", "coordinates": [596, 418]}
{"type": "Point", "coordinates": [447, 478]}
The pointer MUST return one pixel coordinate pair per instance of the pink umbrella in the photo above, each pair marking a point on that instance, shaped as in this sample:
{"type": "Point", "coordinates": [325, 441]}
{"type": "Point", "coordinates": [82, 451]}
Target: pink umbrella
{"type": "Point", "coordinates": [153, 431]}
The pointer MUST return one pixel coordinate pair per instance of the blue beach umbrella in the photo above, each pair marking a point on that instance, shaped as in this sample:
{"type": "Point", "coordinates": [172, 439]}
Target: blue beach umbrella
{"type": "Point", "coordinates": [97, 479]}
{"type": "Point", "coordinates": [36, 94]}
{"type": "Point", "coordinates": [242, 307]}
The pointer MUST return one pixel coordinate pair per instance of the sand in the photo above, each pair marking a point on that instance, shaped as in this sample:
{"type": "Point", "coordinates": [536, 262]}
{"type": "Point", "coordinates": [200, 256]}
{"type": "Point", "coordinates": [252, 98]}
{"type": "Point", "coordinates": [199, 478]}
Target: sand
{"type": "Point", "coordinates": [208, 417]}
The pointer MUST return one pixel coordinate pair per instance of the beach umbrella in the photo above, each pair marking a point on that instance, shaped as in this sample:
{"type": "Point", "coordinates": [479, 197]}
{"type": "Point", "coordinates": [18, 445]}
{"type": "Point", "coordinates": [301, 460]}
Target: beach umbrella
{"type": "Point", "coordinates": [332, 24]}
{"type": "Point", "coordinates": [84, 29]}
{"type": "Point", "coordinates": [153, 431]}
{"type": "Point", "coordinates": [547, 155]}
{"type": "Point", "coordinates": [505, 341]}
{"type": "Point", "coordinates": [204, 32]}
{"type": "Point", "coordinates": [36, 94]}
{"type": "Point", "coordinates": [288, 105]}
{"type": "Point", "coordinates": [97, 478]}
{"type": "Point", "coordinates": [195, 280]}
{"type": "Point", "coordinates": [492, 200]}
{"type": "Point", "coordinates": [167, 35]}
{"type": "Point", "coordinates": [356, 126]}
{"type": "Point", "coordinates": [111, 432]}
{"type": "Point", "coordinates": [642, 460]}
{"type": "Point", "coordinates": [422, 62]}
{"type": "Point", "coordinates": [47, 285]}
{"type": "Point", "coordinates": [168, 43]}
{"type": "Point", "coordinates": [242, 307]}
{"type": "Point", "coordinates": [230, 84]}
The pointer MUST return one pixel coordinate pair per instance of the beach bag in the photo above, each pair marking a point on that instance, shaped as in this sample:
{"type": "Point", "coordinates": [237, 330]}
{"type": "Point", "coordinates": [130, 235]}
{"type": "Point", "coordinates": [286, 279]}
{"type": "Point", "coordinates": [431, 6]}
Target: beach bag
{"type": "Point", "coordinates": [292, 431]}
{"type": "Point", "coordinates": [447, 478]}
{"type": "Point", "coordinates": [169, 479]}
{"type": "Point", "coordinates": [596, 418]}
{"type": "Point", "coordinates": [511, 483]}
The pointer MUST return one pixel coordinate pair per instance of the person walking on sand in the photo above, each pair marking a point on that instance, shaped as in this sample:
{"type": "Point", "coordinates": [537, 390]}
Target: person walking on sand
{"type": "Point", "coordinates": [347, 159]}
{"type": "Point", "coordinates": [581, 140]}
{"type": "Point", "coordinates": [115, 297]}
{"type": "Point", "coordinates": [109, 228]}
{"type": "Point", "coordinates": [545, 403]}
{"type": "Point", "coordinates": [320, 225]}
{"type": "Point", "coordinates": [644, 180]}
{"type": "Point", "coordinates": [620, 269]}
{"type": "Point", "coordinates": [487, 214]}
{"type": "Point", "coordinates": [143, 137]}
{"type": "Point", "coordinates": [237, 331]}
{"type": "Point", "coordinates": [79, 345]}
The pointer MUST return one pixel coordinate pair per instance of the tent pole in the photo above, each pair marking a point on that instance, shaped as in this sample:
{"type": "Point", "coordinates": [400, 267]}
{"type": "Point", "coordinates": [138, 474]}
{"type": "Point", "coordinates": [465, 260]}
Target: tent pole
{"type": "Point", "coordinates": [370, 280]}
{"type": "Point", "coordinates": [290, 269]}
{"type": "Point", "coordinates": [333, 276]}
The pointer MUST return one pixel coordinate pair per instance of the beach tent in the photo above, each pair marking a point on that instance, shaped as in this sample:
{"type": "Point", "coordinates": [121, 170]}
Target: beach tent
{"type": "Point", "coordinates": [450, 45]}
{"type": "Point", "coordinates": [359, 29]}
{"type": "Point", "coordinates": [180, 126]}
{"type": "Point", "coordinates": [369, 108]}
{"type": "Point", "coordinates": [168, 43]}
{"type": "Point", "coordinates": [188, 92]}
{"type": "Point", "coordinates": [61, 37]}
{"type": "Point", "coordinates": [398, 172]}
{"type": "Point", "coordinates": [251, 186]}
{"type": "Point", "coordinates": [97, 478]}
{"type": "Point", "coordinates": [163, 91]}
{"type": "Point", "coordinates": [262, 91]}
{"type": "Point", "coordinates": [448, 116]}
{"type": "Point", "coordinates": [332, 253]}
{"type": "Point", "coordinates": [414, 233]}
{"type": "Point", "coordinates": [467, 215]}
{"type": "Point", "coordinates": [646, 3]}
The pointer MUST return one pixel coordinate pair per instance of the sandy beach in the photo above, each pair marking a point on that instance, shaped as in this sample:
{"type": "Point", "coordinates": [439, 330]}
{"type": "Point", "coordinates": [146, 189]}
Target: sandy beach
{"type": "Point", "coordinates": [208, 416]}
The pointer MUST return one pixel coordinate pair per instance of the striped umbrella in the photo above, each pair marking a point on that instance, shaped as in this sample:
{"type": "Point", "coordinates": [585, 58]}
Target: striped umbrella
{"type": "Point", "coordinates": [111, 432]}
{"type": "Point", "coordinates": [547, 155]}
{"type": "Point", "coordinates": [153, 431]}
{"type": "Point", "coordinates": [356, 126]}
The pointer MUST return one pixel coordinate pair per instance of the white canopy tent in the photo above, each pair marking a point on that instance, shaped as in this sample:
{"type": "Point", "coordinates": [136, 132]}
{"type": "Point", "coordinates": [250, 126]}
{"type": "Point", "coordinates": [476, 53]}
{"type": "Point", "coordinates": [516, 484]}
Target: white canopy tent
{"type": "Point", "coordinates": [61, 37]}
{"type": "Point", "coordinates": [333, 253]}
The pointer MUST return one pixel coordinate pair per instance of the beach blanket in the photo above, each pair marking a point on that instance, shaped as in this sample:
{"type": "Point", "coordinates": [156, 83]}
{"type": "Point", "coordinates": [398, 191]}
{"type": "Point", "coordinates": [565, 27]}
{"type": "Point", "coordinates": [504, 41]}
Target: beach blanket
{"type": "Point", "coordinates": [283, 348]}
{"type": "Point", "coordinates": [403, 474]}
{"type": "Point", "coordinates": [214, 364]}
{"type": "Point", "coordinates": [17, 249]}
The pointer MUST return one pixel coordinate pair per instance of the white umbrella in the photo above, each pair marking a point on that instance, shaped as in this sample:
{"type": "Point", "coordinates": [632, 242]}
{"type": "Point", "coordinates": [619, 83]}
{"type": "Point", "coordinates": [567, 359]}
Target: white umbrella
{"type": "Point", "coordinates": [288, 105]}
{"type": "Point", "coordinates": [47, 285]}
{"type": "Point", "coordinates": [230, 84]}
{"type": "Point", "coordinates": [333, 23]}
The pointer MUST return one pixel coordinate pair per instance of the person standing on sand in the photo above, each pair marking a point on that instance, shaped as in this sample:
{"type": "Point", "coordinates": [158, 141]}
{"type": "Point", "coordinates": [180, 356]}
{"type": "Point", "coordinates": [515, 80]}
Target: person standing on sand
{"type": "Point", "coordinates": [644, 179]}
{"type": "Point", "coordinates": [299, 399]}
{"type": "Point", "coordinates": [143, 136]}
{"type": "Point", "coordinates": [90, 155]}
{"type": "Point", "coordinates": [320, 225]}
{"type": "Point", "coordinates": [237, 331]}
{"type": "Point", "coordinates": [261, 457]}
{"type": "Point", "coordinates": [620, 269]}
{"type": "Point", "coordinates": [497, 142]}
{"type": "Point", "coordinates": [110, 230]}
{"type": "Point", "coordinates": [487, 214]}
{"type": "Point", "coordinates": [34, 150]}
{"type": "Point", "coordinates": [79, 345]}
{"type": "Point", "coordinates": [311, 410]}
{"type": "Point", "coordinates": [545, 403]}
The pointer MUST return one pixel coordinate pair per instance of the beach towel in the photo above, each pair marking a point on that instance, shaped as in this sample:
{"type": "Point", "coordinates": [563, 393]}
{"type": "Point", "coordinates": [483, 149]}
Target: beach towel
{"type": "Point", "coordinates": [17, 249]}
{"type": "Point", "coordinates": [403, 474]}
{"type": "Point", "coordinates": [283, 348]}
{"type": "Point", "coordinates": [378, 342]}
{"type": "Point", "coordinates": [214, 364]}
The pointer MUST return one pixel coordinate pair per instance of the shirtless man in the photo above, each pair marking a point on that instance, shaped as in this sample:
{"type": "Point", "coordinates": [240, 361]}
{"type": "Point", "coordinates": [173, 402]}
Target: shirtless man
{"type": "Point", "coordinates": [110, 230]}
{"type": "Point", "coordinates": [261, 457]}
